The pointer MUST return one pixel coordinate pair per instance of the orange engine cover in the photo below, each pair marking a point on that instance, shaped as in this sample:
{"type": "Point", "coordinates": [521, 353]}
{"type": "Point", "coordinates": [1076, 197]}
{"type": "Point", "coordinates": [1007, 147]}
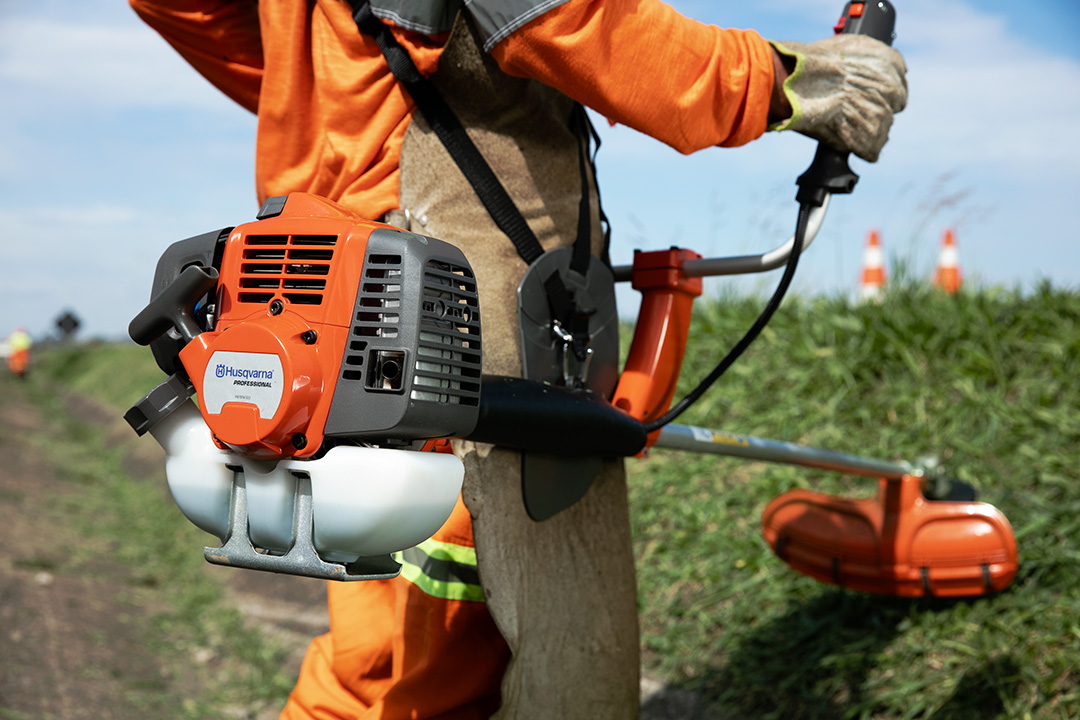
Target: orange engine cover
{"type": "Point", "coordinates": [329, 325]}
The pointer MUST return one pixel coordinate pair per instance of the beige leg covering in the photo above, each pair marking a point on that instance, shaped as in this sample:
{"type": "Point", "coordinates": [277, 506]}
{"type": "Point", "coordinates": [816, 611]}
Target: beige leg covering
{"type": "Point", "coordinates": [562, 592]}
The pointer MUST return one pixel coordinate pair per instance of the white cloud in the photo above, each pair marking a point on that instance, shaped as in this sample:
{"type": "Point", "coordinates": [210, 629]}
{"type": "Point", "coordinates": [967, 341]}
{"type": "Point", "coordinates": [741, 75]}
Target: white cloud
{"type": "Point", "coordinates": [99, 66]}
{"type": "Point", "coordinates": [79, 237]}
{"type": "Point", "coordinates": [97, 214]}
{"type": "Point", "coordinates": [979, 95]}
{"type": "Point", "coordinates": [86, 257]}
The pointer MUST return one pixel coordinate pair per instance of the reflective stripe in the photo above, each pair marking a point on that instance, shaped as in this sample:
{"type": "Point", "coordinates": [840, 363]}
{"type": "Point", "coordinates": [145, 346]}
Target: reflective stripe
{"type": "Point", "coordinates": [461, 554]}
{"type": "Point", "coordinates": [498, 18]}
{"type": "Point", "coordinates": [494, 18]}
{"type": "Point", "coordinates": [429, 17]}
{"type": "Point", "coordinates": [442, 570]}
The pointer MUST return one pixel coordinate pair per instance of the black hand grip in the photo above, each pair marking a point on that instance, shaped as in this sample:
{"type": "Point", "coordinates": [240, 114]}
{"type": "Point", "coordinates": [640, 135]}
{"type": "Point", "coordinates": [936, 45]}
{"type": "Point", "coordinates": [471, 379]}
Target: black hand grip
{"type": "Point", "coordinates": [174, 307]}
{"type": "Point", "coordinates": [528, 415]}
{"type": "Point", "coordinates": [876, 19]}
{"type": "Point", "coordinates": [830, 173]}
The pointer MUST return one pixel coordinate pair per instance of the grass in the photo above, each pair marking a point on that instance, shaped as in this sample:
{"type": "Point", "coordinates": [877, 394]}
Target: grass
{"type": "Point", "coordinates": [114, 374]}
{"type": "Point", "coordinates": [987, 380]}
{"type": "Point", "coordinates": [222, 666]}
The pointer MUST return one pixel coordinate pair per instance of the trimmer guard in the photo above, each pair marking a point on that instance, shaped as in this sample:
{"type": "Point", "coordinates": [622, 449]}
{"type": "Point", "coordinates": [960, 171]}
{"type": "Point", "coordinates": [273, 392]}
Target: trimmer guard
{"type": "Point", "coordinates": [899, 543]}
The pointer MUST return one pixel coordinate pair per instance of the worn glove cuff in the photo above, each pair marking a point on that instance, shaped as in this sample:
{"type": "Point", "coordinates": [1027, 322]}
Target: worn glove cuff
{"type": "Point", "coordinates": [844, 92]}
{"type": "Point", "coordinates": [792, 98]}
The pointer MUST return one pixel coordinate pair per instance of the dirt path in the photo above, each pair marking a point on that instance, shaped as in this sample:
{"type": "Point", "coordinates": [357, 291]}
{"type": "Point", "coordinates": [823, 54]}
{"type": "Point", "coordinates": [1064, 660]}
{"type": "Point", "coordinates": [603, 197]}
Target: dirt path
{"type": "Point", "coordinates": [69, 643]}
{"type": "Point", "coordinates": [72, 633]}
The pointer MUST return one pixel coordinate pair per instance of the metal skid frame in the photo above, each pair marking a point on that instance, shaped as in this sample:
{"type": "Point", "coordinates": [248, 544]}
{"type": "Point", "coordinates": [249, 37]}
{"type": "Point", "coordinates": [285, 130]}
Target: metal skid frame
{"type": "Point", "coordinates": [301, 558]}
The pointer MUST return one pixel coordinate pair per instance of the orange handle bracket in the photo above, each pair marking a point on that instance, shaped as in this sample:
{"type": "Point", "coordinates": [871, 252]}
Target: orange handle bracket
{"type": "Point", "coordinates": [648, 380]}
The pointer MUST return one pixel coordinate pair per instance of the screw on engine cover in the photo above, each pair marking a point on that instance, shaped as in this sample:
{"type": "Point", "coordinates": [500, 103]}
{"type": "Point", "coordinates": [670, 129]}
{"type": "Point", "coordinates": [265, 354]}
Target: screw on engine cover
{"type": "Point", "coordinates": [299, 441]}
{"type": "Point", "coordinates": [276, 307]}
{"type": "Point", "coordinates": [309, 337]}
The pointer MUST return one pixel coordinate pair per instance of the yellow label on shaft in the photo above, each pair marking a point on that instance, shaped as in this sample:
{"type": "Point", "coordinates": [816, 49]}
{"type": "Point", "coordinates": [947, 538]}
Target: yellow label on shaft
{"type": "Point", "coordinates": [725, 438]}
{"type": "Point", "coordinates": [719, 437]}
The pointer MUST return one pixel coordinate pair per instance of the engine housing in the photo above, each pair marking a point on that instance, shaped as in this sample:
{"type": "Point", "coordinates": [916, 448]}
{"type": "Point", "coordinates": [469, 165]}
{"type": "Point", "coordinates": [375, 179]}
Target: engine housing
{"type": "Point", "coordinates": [326, 328]}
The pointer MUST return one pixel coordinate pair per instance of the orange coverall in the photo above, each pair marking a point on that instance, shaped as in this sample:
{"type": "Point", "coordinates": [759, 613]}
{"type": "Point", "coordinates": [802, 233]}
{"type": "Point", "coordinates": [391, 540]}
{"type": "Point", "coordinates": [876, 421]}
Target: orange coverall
{"type": "Point", "coordinates": [331, 119]}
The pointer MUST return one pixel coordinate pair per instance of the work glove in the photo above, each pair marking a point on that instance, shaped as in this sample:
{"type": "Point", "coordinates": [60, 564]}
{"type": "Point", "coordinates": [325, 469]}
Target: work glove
{"type": "Point", "coordinates": [844, 91]}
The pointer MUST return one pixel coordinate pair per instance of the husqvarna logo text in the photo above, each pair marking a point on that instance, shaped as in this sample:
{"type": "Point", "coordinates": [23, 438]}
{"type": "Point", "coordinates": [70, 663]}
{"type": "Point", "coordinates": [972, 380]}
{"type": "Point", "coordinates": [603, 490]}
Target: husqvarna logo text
{"type": "Point", "coordinates": [244, 376]}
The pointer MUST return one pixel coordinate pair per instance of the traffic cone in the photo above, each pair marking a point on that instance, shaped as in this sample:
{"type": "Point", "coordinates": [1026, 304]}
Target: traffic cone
{"type": "Point", "coordinates": [948, 277]}
{"type": "Point", "coordinates": [873, 272]}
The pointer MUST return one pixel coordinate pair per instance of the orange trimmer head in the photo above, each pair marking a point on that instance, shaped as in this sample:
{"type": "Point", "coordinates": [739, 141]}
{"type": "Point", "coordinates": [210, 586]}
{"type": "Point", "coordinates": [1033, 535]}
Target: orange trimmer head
{"type": "Point", "coordinates": [899, 543]}
{"type": "Point", "coordinates": [904, 542]}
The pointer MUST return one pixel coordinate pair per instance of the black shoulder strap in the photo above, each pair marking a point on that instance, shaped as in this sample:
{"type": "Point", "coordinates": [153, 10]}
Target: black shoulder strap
{"type": "Point", "coordinates": [479, 174]}
{"type": "Point", "coordinates": [450, 130]}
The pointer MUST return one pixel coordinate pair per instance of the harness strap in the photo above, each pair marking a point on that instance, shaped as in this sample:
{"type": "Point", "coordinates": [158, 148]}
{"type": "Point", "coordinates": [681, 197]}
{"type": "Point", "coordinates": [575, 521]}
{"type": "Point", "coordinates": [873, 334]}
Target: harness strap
{"type": "Point", "coordinates": [452, 134]}
{"type": "Point", "coordinates": [483, 180]}
{"type": "Point", "coordinates": [580, 260]}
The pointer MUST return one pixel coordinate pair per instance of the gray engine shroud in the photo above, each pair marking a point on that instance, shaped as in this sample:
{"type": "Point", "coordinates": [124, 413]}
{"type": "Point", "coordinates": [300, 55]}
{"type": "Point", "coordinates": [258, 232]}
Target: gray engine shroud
{"type": "Point", "coordinates": [411, 368]}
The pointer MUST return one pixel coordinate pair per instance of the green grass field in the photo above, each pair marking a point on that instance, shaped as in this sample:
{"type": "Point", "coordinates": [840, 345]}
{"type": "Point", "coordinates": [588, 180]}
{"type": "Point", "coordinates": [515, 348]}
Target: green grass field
{"type": "Point", "coordinates": [991, 382]}
{"type": "Point", "coordinates": [988, 380]}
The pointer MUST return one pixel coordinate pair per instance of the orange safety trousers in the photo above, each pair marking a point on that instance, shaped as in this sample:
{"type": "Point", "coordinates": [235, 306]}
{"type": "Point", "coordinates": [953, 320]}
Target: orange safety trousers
{"type": "Point", "coordinates": [407, 648]}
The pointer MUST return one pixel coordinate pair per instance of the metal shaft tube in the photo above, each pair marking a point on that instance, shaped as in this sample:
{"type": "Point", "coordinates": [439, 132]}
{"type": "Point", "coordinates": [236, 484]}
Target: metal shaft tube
{"type": "Point", "coordinates": [719, 442]}
{"type": "Point", "coordinates": [742, 264]}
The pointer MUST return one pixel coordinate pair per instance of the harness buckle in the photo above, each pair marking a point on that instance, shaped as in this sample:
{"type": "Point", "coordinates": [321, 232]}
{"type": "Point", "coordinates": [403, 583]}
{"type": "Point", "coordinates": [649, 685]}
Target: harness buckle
{"type": "Point", "coordinates": [576, 353]}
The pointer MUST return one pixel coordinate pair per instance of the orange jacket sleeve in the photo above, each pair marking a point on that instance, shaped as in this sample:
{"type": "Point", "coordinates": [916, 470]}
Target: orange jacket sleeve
{"type": "Point", "coordinates": [219, 38]}
{"type": "Point", "coordinates": [642, 64]}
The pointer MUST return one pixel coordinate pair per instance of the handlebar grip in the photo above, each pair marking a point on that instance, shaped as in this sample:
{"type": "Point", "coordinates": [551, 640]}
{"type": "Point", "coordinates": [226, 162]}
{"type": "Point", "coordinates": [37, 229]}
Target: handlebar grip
{"type": "Point", "coordinates": [829, 173]}
{"type": "Point", "coordinates": [174, 306]}
{"type": "Point", "coordinates": [876, 19]}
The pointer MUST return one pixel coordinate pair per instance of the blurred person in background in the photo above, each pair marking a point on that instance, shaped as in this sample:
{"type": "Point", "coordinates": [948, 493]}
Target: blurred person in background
{"type": "Point", "coordinates": [18, 352]}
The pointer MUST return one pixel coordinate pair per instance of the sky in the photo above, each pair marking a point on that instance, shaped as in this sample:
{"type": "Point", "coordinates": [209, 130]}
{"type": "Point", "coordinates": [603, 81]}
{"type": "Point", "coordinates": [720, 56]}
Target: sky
{"type": "Point", "coordinates": [113, 148]}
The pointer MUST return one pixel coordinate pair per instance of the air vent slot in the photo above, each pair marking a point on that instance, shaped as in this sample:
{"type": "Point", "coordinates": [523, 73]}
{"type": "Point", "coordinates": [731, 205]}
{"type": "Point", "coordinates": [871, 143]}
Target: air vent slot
{"type": "Point", "coordinates": [354, 361]}
{"type": "Point", "coordinates": [448, 363]}
{"type": "Point", "coordinates": [297, 264]}
{"type": "Point", "coordinates": [379, 301]}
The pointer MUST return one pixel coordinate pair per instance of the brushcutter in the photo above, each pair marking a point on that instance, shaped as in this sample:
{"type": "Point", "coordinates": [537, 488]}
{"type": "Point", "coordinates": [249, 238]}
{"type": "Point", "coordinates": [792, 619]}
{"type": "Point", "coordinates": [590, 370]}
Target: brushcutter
{"type": "Point", "coordinates": [333, 357]}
